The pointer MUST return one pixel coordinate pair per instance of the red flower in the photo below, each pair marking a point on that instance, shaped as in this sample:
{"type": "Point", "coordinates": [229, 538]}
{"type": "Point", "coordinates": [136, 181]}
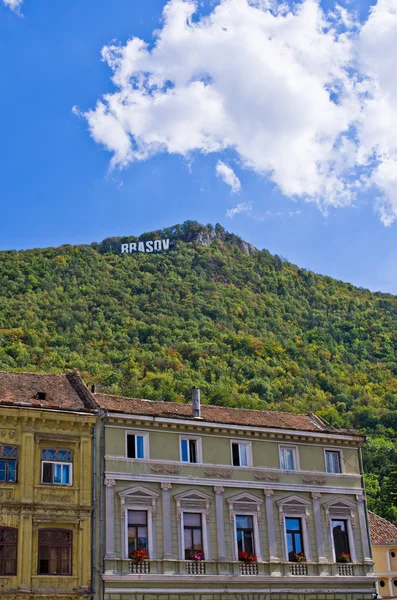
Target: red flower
{"type": "Point", "coordinates": [247, 557]}
{"type": "Point", "coordinates": [300, 557]}
{"type": "Point", "coordinates": [139, 556]}
{"type": "Point", "coordinates": [197, 556]}
{"type": "Point", "coordinates": [344, 557]}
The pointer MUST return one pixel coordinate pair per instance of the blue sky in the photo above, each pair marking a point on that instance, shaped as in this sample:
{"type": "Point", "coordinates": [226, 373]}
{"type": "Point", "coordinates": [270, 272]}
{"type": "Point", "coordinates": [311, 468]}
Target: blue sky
{"type": "Point", "coordinates": [58, 184]}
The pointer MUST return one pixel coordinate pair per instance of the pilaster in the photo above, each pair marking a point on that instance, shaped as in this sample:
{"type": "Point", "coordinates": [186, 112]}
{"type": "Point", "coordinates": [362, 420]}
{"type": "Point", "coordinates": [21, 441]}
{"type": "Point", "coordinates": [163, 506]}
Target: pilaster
{"type": "Point", "coordinates": [363, 528]}
{"type": "Point", "coordinates": [167, 533]}
{"type": "Point", "coordinates": [271, 533]}
{"type": "Point", "coordinates": [318, 528]}
{"type": "Point", "coordinates": [109, 520]}
{"type": "Point", "coordinates": [220, 522]}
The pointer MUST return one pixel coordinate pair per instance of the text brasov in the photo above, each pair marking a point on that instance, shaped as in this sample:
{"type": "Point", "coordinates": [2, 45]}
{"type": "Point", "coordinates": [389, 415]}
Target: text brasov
{"type": "Point", "coordinates": [148, 246]}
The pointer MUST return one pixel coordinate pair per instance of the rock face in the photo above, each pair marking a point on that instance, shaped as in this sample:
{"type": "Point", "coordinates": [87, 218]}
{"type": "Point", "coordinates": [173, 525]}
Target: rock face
{"type": "Point", "coordinates": [190, 231]}
{"type": "Point", "coordinates": [207, 237]}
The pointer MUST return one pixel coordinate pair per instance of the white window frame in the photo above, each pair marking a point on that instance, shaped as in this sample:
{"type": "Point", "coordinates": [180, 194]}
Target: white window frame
{"type": "Point", "coordinates": [149, 511]}
{"type": "Point", "coordinates": [294, 507]}
{"type": "Point", "coordinates": [139, 499]}
{"type": "Point", "coordinates": [146, 449]}
{"type": "Point", "coordinates": [341, 461]}
{"type": "Point", "coordinates": [57, 462]}
{"type": "Point", "coordinates": [199, 449]}
{"type": "Point", "coordinates": [341, 510]}
{"type": "Point", "coordinates": [204, 531]}
{"type": "Point", "coordinates": [295, 451]}
{"type": "Point", "coordinates": [247, 505]}
{"type": "Point", "coordinates": [193, 501]}
{"type": "Point", "coordinates": [248, 446]}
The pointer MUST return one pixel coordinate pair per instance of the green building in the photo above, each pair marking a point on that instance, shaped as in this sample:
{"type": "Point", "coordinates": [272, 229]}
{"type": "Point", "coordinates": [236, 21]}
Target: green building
{"type": "Point", "coordinates": [216, 503]}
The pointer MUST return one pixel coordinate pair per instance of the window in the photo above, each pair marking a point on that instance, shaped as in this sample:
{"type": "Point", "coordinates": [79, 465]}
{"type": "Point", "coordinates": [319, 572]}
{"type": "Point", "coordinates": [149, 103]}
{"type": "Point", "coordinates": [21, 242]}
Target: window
{"type": "Point", "coordinates": [135, 446]}
{"type": "Point", "coordinates": [192, 534]}
{"type": "Point", "coordinates": [190, 449]}
{"type": "Point", "coordinates": [293, 530]}
{"type": "Point", "coordinates": [8, 463]}
{"type": "Point", "coordinates": [245, 534]}
{"type": "Point", "coordinates": [333, 461]}
{"type": "Point", "coordinates": [56, 466]}
{"type": "Point", "coordinates": [137, 530]}
{"type": "Point", "coordinates": [55, 552]}
{"type": "Point", "coordinates": [8, 551]}
{"type": "Point", "coordinates": [288, 458]}
{"type": "Point", "coordinates": [241, 454]}
{"type": "Point", "coordinates": [341, 538]}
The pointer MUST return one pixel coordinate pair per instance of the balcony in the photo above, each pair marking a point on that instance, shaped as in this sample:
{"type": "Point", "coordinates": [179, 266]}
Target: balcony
{"type": "Point", "coordinates": [116, 567]}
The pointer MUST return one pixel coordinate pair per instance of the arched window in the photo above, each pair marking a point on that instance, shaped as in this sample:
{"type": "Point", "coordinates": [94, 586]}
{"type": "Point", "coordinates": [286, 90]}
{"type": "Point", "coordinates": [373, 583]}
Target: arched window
{"type": "Point", "coordinates": [55, 552]}
{"type": "Point", "coordinates": [8, 550]}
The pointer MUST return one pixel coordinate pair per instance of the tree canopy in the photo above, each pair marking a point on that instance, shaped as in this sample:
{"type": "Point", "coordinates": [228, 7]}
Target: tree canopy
{"type": "Point", "coordinates": [250, 329]}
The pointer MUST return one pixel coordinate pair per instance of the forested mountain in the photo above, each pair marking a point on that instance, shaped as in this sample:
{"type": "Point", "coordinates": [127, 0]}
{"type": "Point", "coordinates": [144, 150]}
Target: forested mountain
{"type": "Point", "coordinates": [248, 328]}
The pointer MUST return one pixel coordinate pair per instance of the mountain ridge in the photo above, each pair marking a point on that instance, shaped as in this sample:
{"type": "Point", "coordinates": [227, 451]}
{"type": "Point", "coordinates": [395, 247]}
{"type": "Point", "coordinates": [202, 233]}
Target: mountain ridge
{"type": "Point", "coordinates": [250, 329]}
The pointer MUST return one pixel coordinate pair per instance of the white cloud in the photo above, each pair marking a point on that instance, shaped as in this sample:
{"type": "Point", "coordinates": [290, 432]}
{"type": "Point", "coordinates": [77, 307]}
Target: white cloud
{"type": "Point", "coordinates": [305, 98]}
{"type": "Point", "coordinates": [15, 5]}
{"type": "Point", "coordinates": [227, 175]}
{"type": "Point", "coordinates": [240, 208]}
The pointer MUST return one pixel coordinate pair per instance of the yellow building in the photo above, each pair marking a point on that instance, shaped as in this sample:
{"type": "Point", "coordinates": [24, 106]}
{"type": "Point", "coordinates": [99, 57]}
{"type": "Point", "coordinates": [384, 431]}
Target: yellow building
{"type": "Point", "coordinates": [46, 472]}
{"type": "Point", "coordinates": [384, 548]}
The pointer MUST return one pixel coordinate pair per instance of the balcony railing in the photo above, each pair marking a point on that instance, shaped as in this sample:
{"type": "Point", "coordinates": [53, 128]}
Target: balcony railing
{"type": "Point", "coordinates": [299, 568]}
{"type": "Point", "coordinates": [248, 568]}
{"type": "Point", "coordinates": [345, 569]}
{"type": "Point", "coordinates": [119, 567]}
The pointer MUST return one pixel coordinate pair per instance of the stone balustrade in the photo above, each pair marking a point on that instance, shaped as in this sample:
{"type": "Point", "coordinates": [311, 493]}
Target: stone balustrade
{"type": "Point", "coordinates": [121, 567]}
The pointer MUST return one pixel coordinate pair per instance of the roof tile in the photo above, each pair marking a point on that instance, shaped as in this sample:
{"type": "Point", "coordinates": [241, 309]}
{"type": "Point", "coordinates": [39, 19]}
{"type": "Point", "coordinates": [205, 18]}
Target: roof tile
{"type": "Point", "coordinates": [64, 391]}
{"type": "Point", "coordinates": [382, 531]}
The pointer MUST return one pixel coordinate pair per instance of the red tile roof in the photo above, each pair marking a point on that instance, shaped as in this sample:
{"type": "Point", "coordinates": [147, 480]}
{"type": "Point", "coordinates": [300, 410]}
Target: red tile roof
{"type": "Point", "coordinates": [65, 391]}
{"type": "Point", "coordinates": [217, 414]}
{"type": "Point", "coordinates": [381, 530]}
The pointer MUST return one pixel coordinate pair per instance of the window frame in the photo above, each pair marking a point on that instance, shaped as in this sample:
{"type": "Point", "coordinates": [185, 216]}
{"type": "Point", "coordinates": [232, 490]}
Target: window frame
{"type": "Point", "coordinates": [295, 454]}
{"type": "Point", "coordinates": [55, 529]}
{"type": "Point", "coordinates": [138, 498]}
{"type": "Point", "coordinates": [339, 451]}
{"type": "Point", "coordinates": [5, 545]}
{"type": "Point", "coordinates": [204, 531]}
{"type": "Point", "coordinates": [248, 445]}
{"type": "Point", "coordinates": [341, 510]}
{"type": "Point", "coordinates": [145, 436]}
{"type": "Point", "coordinates": [199, 449]}
{"type": "Point", "coordinates": [7, 459]}
{"type": "Point", "coordinates": [295, 507]}
{"type": "Point", "coordinates": [148, 527]}
{"type": "Point", "coordinates": [300, 531]}
{"type": "Point", "coordinates": [56, 462]}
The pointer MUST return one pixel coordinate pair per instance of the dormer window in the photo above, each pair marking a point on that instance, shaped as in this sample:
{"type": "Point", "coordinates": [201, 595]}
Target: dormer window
{"type": "Point", "coordinates": [41, 395]}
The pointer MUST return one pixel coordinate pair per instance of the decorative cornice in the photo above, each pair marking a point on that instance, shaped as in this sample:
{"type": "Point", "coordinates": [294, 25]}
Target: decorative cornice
{"type": "Point", "coordinates": [314, 479]}
{"type": "Point", "coordinates": [165, 468]}
{"type": "Point", "coordinates": [266, 476]}
{"type": "Point", "coordinates": [224, 473]}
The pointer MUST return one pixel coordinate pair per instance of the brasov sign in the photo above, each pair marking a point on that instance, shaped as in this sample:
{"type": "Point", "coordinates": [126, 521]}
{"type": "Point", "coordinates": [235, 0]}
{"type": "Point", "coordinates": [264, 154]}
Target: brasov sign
{"type": "Point", "coordinates": [148, 246]}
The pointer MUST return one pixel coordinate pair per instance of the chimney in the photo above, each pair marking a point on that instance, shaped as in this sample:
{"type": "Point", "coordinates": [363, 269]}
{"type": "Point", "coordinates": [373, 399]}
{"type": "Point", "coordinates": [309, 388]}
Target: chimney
{"type": "Point", "coordinates": [196, 402]}
{"type": "Point", "coordinates": [93, 388]}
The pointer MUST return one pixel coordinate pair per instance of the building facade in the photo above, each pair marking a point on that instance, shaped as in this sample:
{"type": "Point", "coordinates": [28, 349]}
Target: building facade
{"type": "Point", "coordinates": [384, 547]}
{"type": "Point", "coordinates": [46, 466]}
{"type": "Point", "coordinates": [228, 503]}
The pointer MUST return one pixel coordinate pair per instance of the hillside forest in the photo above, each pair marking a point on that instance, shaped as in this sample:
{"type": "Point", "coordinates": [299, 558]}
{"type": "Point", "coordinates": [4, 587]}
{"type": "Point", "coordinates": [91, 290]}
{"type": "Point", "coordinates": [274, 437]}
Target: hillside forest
{"type": "Point", "coordinates": [250, 329]}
